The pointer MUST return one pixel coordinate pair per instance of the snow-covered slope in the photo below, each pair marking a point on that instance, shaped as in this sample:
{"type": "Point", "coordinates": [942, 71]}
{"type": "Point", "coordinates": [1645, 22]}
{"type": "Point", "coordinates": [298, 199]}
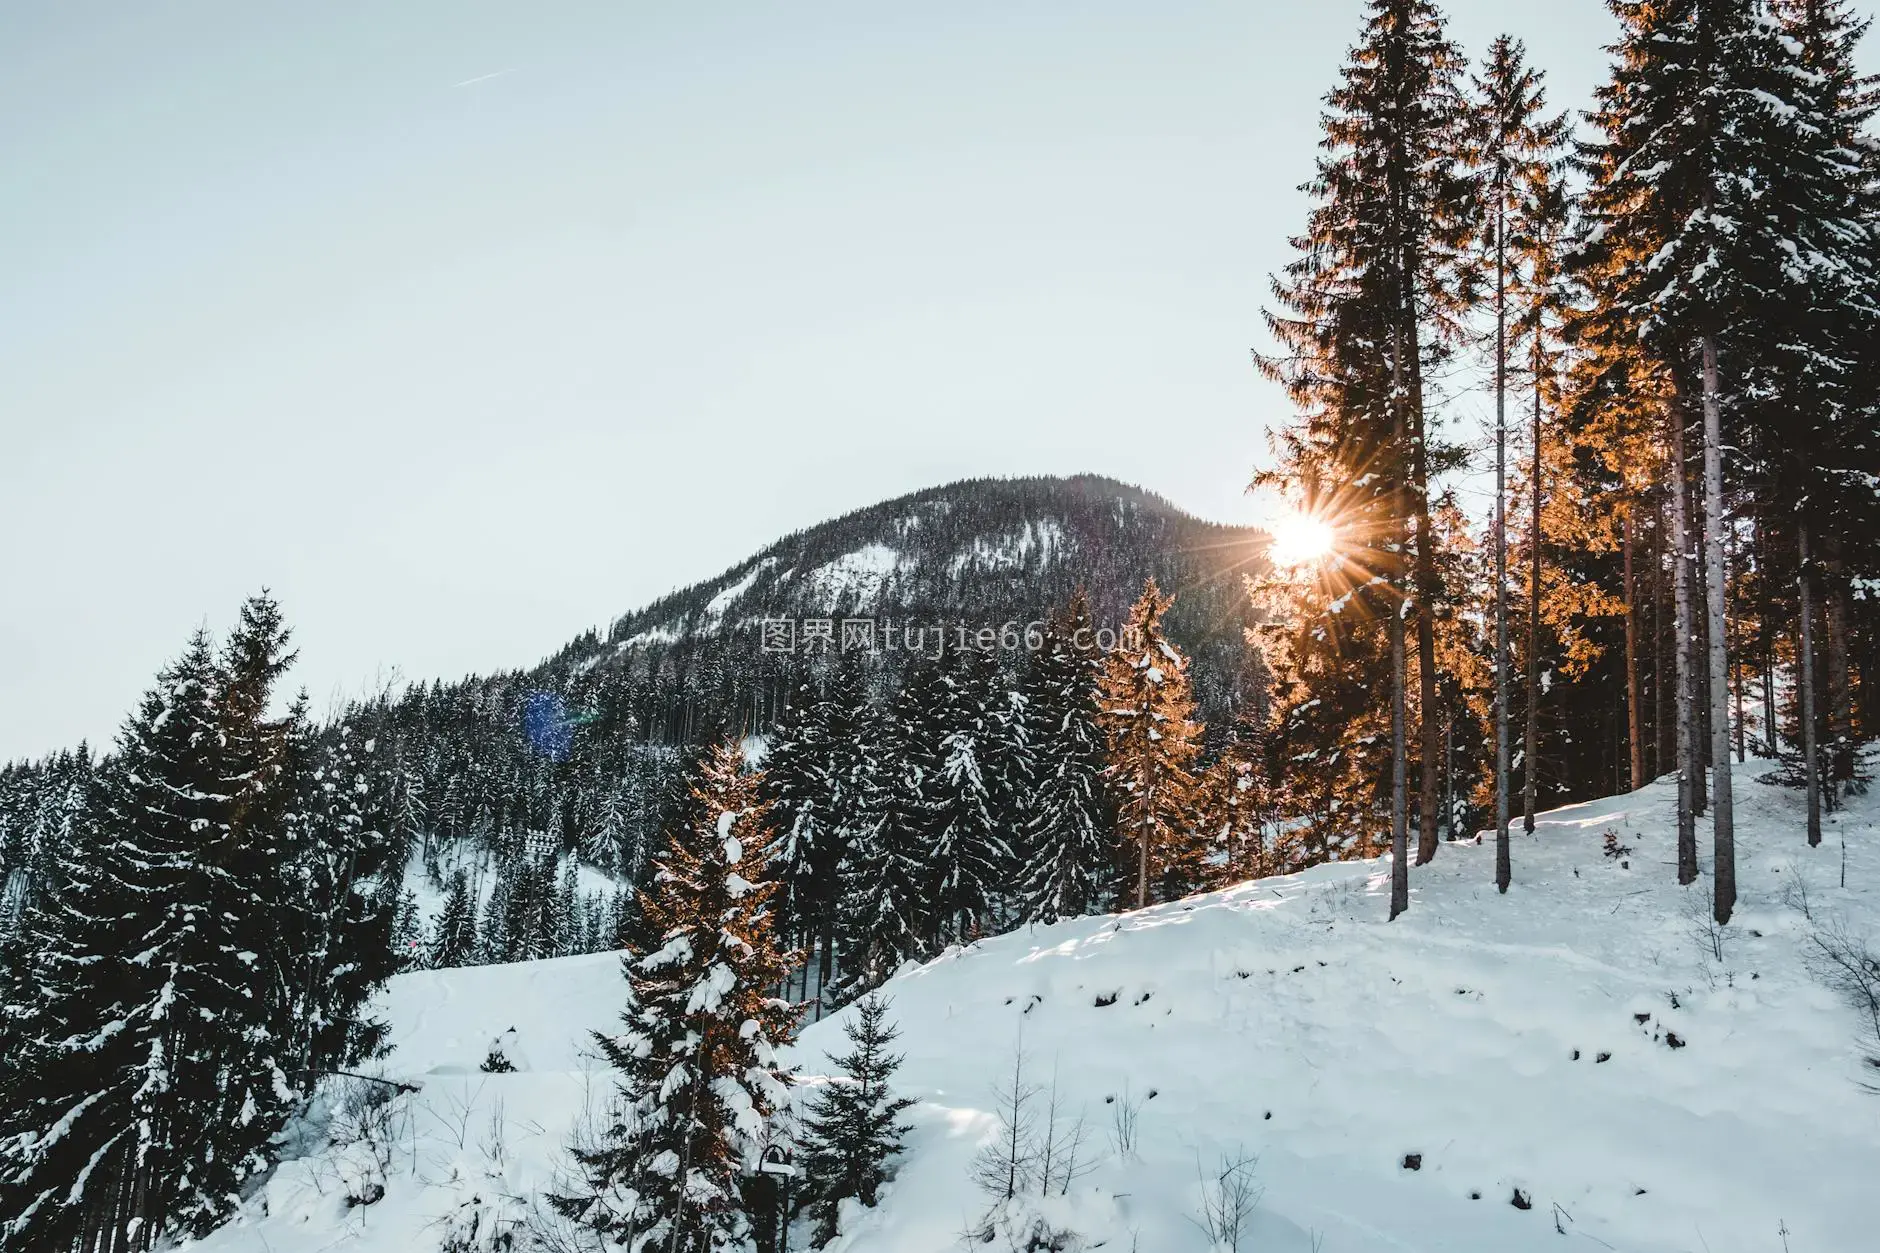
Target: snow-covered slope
{"type": "Point", "coordinates": [1577, 1040]}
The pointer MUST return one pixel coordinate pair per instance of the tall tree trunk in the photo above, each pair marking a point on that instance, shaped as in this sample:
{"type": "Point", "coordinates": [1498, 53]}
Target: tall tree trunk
{"type": "Point", "coordinates": [1687, 706]}
{"type": "Point", "coordinates": [1700, 640]}
{"type": "Point", "coordinates": [1531, 743]}
{"type": "Point", "coordinates": [1503, 870]}
{"type": "Point", "coordinates": [1634, 714]}
{"type": "Point", "coordinates": [1664, 751]}
{"type": "Point", "coordinates": [1723, 812]}
{"type": "Point", "coordinates": [1399, 822]}
{"type": "Point", "coordinates": [1429, 724]}
{"type": "Point", "coordinates": [1142, 867]}
{"type": "Point", "coordinates": [1840, 716]}
{"type": "Point", "coordinates": [1399, 827]}
{"type": "Point", "coordinates": [1429, 718]}
{"type": "Point", "coordinates": [1770, 739]}
{"type": "Point", "coordinates": [1805, 676]}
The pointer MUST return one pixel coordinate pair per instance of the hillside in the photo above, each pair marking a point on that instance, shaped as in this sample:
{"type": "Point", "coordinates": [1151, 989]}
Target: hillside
{"type": "Point", "coordinates": [979, 552]}
{"type": "Point", "coordinates": [1578, 1042]}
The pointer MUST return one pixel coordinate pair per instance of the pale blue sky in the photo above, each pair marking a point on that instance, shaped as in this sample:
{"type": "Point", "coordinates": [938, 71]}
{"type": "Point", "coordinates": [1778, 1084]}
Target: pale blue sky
{"type": "Point", "coordinates": [465, 327]}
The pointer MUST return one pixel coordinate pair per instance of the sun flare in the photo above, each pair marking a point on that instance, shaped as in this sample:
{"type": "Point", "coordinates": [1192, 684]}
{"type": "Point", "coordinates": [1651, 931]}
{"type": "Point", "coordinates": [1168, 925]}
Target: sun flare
{"type": "Point", "coordinates": [1300, 539]}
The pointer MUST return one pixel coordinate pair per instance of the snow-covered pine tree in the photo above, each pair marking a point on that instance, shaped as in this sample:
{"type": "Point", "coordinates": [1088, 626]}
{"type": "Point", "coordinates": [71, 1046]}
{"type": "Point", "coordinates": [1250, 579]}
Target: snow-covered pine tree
{"type": "Point", "coordinates": [968, 855]}
{"type": "Point", "coordinates": [853, 1130]}
{"type": "Point", "coordinates": [411, 945]}
{"type": "Point", "coordinates": [568, 917]}
{"type": "Point", "coordinates": [494, 942]}
{"type": "Point", "coordinates": [699, 1070]}
{"type": "Point", "coordinates": [343, 901]}
{"type": "Point", "coordinates": [455, 940]}
{"type": "Point", "coordinates": [810, 781]}
{"type": "Point", "coordinates": [883, 919]}
{"type": "Point", "coordinates": [139, 1019]}
{"type": "Point", "coordinates": [1067, 834]}
{"type": "Point", "coordinates": [1146, 713]}
{"type": "Point", "coordinates": [1231, 798]}
{"type": "Point", "coordinates": [1726, 223]}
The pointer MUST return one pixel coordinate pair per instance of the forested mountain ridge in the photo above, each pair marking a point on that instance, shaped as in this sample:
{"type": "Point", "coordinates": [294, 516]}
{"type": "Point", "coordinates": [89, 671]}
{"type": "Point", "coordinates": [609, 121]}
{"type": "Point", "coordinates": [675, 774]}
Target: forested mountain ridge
{"type": "Point", "coordinates": [978, 553]}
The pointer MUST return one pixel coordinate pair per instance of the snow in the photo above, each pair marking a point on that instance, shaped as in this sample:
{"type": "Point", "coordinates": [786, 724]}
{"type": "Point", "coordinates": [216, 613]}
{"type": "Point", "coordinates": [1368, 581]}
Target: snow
{"type": "Point", "coordinates": [715, 608]}
{"type": "Point", "coordinates": [854, 579]}
{"type": "Point", "coordinates": [1518, 1042]}
{"type": "Point", "coordinates": [1013, 551]}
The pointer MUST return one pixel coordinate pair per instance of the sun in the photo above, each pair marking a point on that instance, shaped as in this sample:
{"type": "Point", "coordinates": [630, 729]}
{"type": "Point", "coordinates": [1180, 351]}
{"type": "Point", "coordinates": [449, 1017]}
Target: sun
{"type": "Point", "coordinates": [1300, 539]}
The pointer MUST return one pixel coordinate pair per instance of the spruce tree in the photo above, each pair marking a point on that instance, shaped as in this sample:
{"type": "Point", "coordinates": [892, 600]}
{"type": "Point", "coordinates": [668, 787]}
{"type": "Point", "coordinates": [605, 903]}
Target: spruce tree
{"type": "Point", "coordinates": [1376, 291]}
{"type": "Point", "coordinates": [1145, 708]}
{"type": "Point", "coordinates": [884, 912]}
{"type": "Point", "coordinates": [1067, 834]}
{"type": "Point", "coordinates": [343, 875]}
{"type": "Point", "coordinates": [455, 941]}
{"type": "Point", "coordinates": [812, 779]}
{"type": "Point", "coordinates": [1517, 150]}
{"type": "Point", "coordinates": [144, 1037]}
{"type": "Point", "coordinates": [1725, 227]}
{"type": "Point", "coordinates": [853, 1130]}
{"type": "Point", "coordinates": [968, 856]}
{"type": "Point", "coordinates": [1233, 803]}
{"type": "Point", "coordinates": [700, 1073]}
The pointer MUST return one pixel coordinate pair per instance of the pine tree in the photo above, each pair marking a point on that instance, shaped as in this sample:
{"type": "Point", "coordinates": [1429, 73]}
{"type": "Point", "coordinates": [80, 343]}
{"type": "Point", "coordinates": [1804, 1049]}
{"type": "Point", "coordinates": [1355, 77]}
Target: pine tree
{"type": "Point", "coordinates": [1067, 835]}
{"type": "Point", "coordinates": [854, 1128]}
{"type": "Point", "coordinates": [968, 856]}
{"type": "Point", "coordinates": [1725, 228]}
{"type": "Point", "coordinates": [567, 915]}
{"type": "Point", "coordinates": [1517, 152]}
{"type": "Point", "coordinates": [1146, 711]}
{"type": "Point", "coordinates": [884, 912]}
{"type": "Point", "coordinates": [698, 1056]}
{"type": "Point", "coordinates": [1233, 803]}
{"type": "Point", "coordinates": [455, 943]}
{"type": "Point", "coordinates": [343, 873]}
{"type": "Point", "coordinates": [1380, 265]}
{"type": "Point", "coordinates": [811, 782]}
{"type": "Point", "coordinates": [146, 1043]}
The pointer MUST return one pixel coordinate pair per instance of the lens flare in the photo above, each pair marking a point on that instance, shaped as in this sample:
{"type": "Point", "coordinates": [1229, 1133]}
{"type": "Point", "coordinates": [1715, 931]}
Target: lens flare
{"type": "Point", "coordinates": [1300, 539]}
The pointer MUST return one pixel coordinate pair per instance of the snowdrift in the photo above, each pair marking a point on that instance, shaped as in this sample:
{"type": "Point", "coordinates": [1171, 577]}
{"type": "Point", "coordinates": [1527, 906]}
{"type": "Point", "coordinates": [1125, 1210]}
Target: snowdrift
{"type": "Point", "coordinates": [1581, 1063]}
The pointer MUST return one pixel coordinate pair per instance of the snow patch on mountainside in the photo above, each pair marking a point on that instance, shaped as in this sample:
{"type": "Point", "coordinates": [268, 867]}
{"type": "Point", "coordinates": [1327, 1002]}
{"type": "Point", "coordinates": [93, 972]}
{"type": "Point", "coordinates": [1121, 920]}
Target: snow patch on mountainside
{"type": "Point", "coordinates": [854, 580]}
{"type": "Point", "coordinates": [715, 608]}
{"type": "Point", "coordinates": [1034, 542]}
{"type": "Point", "coordinates": [1571, 1065]}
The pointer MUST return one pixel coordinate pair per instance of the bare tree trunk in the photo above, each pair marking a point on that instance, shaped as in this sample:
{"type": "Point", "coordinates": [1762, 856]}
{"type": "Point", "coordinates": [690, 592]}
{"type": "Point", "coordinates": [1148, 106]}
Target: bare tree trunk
{"type": "Point", "coordinates": [1686, 734]}
{"type": "Point", "coordinates": [1700, 636]}
{"type": "Point", "coordinates": [1399, 821]}
{"type": "Point", "coordinates": [1723, 815]}
{"type": "Point", "coordinates": [1530, 745]}
{"type": "Point", "coordinates": [1399, 827]}
{"type": "Point", "coordinates": [1429, 724]}
{"type": "Point", "coordinates": [1634, 715]}
{"type": "Point", "coordinates": [1503, 870]}
{"type": "Point", "coordinates": [1429, 717]}
{"type": "Point", "coordinates": [1142, 868]}
{"type": "Point", "coordinates": [1664, 750]}
{"type": "Point", "coordinates": [1805, 676]}
{"type": "Point", "coordinates": [1769, 700]}
{"type": "Point", "coordinates": [1840, 715]}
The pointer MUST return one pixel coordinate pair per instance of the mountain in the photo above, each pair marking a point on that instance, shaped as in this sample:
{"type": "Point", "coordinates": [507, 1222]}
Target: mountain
{"type": "Point", "coordinates": [584, 751]}
{"type": "Point", "coordinates": [977, 553]}
{"type": "Point", "coordinates": [1578, 1059]}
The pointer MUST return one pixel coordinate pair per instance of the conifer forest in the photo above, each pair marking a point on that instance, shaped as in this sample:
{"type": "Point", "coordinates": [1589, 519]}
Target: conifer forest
{"type": "Point", "coordinates": [1026, 863]}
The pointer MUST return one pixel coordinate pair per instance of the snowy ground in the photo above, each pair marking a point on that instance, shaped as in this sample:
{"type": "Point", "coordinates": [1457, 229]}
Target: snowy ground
{"type": "Point", "coordinates": [1519, 1043]}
